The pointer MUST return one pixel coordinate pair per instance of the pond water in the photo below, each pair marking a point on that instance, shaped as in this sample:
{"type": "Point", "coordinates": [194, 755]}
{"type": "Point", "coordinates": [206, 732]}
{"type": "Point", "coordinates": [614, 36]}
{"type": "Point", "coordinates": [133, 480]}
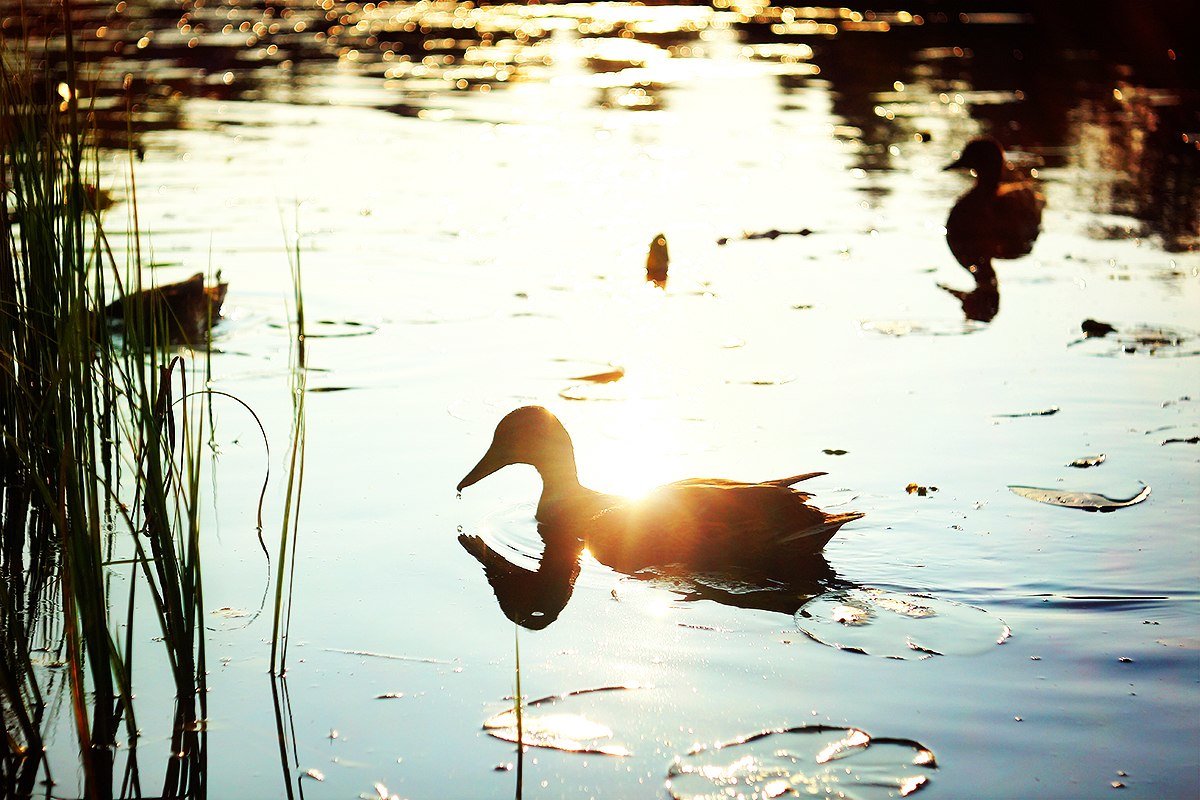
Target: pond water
{"type": "Point", "coordinates": [474, 191]}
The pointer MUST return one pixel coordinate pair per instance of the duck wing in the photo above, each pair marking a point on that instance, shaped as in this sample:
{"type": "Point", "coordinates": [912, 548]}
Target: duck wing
{"type": "Point", "coordinates": [725, 483]}
{"type": "Point", "coordinates": [712, 525]}
{"type": "Point", "coordinates": [1019, 211]}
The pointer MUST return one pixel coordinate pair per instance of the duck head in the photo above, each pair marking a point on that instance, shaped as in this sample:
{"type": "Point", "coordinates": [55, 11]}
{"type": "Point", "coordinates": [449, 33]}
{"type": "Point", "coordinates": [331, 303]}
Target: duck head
{"type": "Point", "coordinates": [529, 435]}
{"type": "Point", "coordinates": [983, 156]}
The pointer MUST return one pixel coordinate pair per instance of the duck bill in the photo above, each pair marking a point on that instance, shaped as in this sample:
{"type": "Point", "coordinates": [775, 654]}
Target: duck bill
{"type": "Point", "coordinates": [958, 164]}
{"type": "Point", "coordinates": [486, 466]}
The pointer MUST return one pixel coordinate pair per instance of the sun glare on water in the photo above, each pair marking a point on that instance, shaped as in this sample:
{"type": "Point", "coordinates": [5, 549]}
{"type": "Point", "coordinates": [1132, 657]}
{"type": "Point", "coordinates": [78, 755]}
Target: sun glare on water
{"type": "Point", "coordinates": [634, 448]}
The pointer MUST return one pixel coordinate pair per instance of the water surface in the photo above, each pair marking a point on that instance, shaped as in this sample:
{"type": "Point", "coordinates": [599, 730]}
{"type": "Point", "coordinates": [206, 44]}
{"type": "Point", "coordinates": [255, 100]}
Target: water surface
{"type": "Point", "coordinates": [474, 191]}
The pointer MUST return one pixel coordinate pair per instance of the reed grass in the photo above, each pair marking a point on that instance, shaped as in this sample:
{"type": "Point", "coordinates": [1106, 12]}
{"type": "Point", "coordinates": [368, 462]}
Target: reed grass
{"type": "Point", "coordinates": [290, 528]}
{"type": "Point", "coordinates": [519, 711]}
{"type": "Point", "coordinates": [100, 461]}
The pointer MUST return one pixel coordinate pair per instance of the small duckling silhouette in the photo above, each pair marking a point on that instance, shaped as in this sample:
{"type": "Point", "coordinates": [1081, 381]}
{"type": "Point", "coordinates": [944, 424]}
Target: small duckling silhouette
{"type": "Point", "coordinates": [999, 217]}
{"type": "Point", "coordinates": [657, 260]}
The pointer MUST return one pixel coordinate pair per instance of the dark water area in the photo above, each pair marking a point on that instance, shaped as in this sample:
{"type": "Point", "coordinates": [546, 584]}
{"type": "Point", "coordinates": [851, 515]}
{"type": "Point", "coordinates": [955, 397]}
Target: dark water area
{"type": "Point", "coordinates": [1115, 83]}
{"type": "Point", "coordinates": [475, 189]}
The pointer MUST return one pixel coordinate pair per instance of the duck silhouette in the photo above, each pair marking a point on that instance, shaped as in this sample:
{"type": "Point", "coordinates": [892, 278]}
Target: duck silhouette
{"type": "Point", "coordinates": [761, 530]}
{"type": "Point", "coordinates": [999, 217]}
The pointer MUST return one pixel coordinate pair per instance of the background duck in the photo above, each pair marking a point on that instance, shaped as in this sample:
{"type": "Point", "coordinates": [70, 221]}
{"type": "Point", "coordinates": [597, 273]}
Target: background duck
{"type": "Point", "coordinates": [1000, 216]}
{"type": "Point", "coordinates": [700, 523]}
{"type": "Point", "coordinates": [182, 311]}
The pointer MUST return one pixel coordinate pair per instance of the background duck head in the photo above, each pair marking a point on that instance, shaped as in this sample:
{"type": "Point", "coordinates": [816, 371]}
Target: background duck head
{"type": "Point", "coordinates": [529, 435]}
{"type": "Point", "coordinates": [985, 158]}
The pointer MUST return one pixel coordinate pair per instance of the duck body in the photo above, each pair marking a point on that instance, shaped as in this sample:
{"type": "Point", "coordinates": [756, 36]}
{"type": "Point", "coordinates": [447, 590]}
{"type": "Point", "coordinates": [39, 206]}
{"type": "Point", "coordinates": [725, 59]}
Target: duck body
{"type": "Point", "coordinates": [710, 524]}
{"type": "Point", "coordinates": [183, 311]}
{"type": "Point", "coordinates": [999, 217]}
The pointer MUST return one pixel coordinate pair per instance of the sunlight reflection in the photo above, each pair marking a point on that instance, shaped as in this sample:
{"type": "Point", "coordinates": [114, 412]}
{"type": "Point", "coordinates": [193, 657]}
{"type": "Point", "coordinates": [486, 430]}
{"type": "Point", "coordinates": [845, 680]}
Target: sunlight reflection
{"type": "Point", "coordinates": [640, 440]}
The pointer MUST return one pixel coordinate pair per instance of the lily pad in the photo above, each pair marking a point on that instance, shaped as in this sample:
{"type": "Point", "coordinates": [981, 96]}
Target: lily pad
{"type": "Point", "coordinates": [895, 625]}
{"type": "Point", "coordinates": [1084, 501]}
{"type": "Point", "coordinates": [566, 731]}
{"type": "Point", "coordinates": [820, 761]}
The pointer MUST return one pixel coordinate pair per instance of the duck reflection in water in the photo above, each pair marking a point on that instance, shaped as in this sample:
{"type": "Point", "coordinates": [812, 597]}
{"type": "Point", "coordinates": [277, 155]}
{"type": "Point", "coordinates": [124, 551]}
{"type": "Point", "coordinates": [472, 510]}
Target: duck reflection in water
{"type": "Point", "coordinates": [753, 545]}
{"type": "Point", "coordinates": [999, 217]}
{"type": "Point", "coordinates": [534, 598]}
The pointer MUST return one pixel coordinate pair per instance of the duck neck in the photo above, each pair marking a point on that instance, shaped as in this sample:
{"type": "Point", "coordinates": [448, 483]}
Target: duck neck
{"type": "Point", "coordinates": [987, 177]}
{"type": "Point", "coordinates": [560, 485]}
{"type": "Point", "coordinates": [559, 478]}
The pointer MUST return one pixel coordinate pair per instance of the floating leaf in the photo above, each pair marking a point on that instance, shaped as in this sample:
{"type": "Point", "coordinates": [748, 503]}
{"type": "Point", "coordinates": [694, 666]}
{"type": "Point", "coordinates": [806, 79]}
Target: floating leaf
{"type": "Point", "coordinates": [1151, 340]}
{"type": "Point", "coordinates": [603, 377]}
{"type": "Point", "coordinates": [765, 380]}
{"type": "Point", "coordinates": [1085, 501]}
{"type": "Point", "coordinates": [1088, 461]}
{"type": "Point", "coordinates": [1190, 440]}
{"type": "Point", "coordinates": [902, 327]}
{"type": "Point", "coordinates": [569, 732]}
{"type": "Point", "coordinates": [340, 329]}
{"type": "Point", "coordinates": [389, 656]}
{"type": "Point", "coordinates": [603, 391]}
{"type": "Point", "coordinates": [806, 761]}
{"type": "Point", "coordinates": [894, 625]}
{"type": "Point", "coordinates": [1045, 412]}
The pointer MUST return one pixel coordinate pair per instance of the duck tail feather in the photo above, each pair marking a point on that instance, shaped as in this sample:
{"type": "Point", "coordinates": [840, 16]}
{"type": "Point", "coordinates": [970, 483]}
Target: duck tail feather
{"type": "Point", "coordinates": [820, 533]}
{"type": "Point", "coordinates": [795, 479]}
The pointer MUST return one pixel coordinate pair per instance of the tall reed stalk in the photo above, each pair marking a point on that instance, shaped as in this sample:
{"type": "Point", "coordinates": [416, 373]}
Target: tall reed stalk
{"type": "Point", "coordinates": [290, 528]}
{"type": "Point", "coordinates": [519, 711]}
{"type": "Point", "coordinates": [100, 462]}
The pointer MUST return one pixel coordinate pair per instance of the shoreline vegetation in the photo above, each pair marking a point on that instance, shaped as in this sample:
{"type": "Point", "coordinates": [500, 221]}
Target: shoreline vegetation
{"type": "Point", "coordinates": [104, 444]}
{"type": "Point", "coordinates": [101, 467]}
